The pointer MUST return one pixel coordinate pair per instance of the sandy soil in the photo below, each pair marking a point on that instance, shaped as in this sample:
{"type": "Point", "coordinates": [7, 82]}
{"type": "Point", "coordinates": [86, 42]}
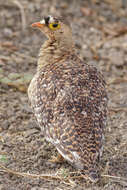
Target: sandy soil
{"type": "Point", "coordinates": [100, 33]}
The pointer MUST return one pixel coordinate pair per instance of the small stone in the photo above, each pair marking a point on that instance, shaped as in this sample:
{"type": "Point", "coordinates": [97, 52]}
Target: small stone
{"type": "Point", "coordinates": [8, 32]}
{"type": "Point", "coordinates": [1, 70]}
{"type": "Point", "coordinates": [14, 76]}
{"type": "Point", "coordinates": [5, 125]}
{"type": "Point", "coordinates": [5, 80]}
{"type": "Point", "coordinates": [2, 187]}
{"type": "Point", "coordinates": [116, 57]}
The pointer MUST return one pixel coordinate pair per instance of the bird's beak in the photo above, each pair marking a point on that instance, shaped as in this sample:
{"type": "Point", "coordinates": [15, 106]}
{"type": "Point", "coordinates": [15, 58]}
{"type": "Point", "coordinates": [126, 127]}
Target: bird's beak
{"type": "Point", "coordinates": [37, 25]}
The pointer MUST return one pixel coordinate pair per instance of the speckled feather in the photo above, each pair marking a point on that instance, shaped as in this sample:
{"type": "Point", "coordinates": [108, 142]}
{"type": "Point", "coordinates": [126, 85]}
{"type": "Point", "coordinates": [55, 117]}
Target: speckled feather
{"type": "Point", "coordinates": [69, 101]}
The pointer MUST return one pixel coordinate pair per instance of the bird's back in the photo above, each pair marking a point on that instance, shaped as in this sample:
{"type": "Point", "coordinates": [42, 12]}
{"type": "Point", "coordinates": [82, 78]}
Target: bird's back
{"type": "Point", "coordinates": [70, 101]}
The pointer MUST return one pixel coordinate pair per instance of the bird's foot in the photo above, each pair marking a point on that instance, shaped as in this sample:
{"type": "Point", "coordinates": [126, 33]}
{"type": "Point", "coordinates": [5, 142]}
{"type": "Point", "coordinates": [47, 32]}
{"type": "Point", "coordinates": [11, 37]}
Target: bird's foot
{"type": "Point", "coordinates": [57, 159]}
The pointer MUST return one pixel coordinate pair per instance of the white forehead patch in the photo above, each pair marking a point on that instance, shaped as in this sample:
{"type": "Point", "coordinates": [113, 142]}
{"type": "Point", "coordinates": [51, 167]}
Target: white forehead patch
{"type": "Point", "coordinates": [47, 20]}
{"type": "Point", "coordinates": [42, 21]}
{"type": "Point", "coordinates": [51, 20]}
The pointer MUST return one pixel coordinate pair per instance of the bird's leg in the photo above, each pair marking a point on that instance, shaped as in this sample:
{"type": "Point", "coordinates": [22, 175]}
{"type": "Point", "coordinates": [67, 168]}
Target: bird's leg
{"type": "Point", "coordinates": [57, 159]}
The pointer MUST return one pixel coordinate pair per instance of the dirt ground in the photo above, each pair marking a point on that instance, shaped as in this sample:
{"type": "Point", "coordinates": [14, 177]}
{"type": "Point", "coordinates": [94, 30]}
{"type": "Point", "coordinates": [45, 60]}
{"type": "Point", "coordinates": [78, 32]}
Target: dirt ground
{"type": "Point", "coordinates": [100, 34]}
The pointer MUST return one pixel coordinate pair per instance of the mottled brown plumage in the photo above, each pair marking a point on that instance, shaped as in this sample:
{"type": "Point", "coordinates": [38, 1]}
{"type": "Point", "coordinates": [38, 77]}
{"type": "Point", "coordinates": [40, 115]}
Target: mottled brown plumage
{"type": "Point", "coordinates": [69, 99]}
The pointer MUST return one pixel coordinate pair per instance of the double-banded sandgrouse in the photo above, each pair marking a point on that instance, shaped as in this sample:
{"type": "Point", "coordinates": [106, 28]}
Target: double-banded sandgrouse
{"type": "Point", "coordinates": [68, 98]}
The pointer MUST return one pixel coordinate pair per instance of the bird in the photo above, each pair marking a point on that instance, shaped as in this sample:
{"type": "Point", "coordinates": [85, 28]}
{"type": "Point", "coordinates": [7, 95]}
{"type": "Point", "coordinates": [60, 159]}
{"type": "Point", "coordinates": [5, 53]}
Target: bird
{"type": "Point", "coordinates": [69, 99]}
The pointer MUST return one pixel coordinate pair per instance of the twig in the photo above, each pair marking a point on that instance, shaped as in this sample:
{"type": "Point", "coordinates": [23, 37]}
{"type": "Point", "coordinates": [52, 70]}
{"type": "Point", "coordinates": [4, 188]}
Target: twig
{"type": "Point", "coordinates": [117, 81]}
{"type": "Point", "coordinates": [19, 5]}
{"type": "Point", "coordinates": [23, 18]}
{"type": "Point", "coordinates": [43, 176]}
{"type": "Point", "coordinates": [55, 176]}
{"type": "Point", "coordinates": [115, 177]}
{"type": "Point", "coordinates": [118, 109]}
{"type": "Point", "coordinates": [5, 58]}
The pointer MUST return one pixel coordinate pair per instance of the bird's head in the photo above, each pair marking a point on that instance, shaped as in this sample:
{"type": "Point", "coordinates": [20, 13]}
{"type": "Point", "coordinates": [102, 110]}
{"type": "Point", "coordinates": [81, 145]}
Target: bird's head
{"type": "Point", "coordinates": [55, 29]}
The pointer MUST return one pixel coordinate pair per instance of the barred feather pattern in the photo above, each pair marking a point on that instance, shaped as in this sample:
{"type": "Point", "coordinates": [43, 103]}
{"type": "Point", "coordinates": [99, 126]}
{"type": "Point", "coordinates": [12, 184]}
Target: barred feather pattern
{"type": "Point", "coordinates": [69, 101]}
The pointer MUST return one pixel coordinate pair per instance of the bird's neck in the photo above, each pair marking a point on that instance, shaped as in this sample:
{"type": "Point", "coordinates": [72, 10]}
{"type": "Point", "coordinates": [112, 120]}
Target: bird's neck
{"type": "Point", "coordinates": [52, 51]}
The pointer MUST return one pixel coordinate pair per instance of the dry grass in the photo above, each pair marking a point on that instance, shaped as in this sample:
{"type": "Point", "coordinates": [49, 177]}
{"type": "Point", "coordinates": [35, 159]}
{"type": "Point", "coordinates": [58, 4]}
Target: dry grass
{"type": "Point", "coordinates": [66, 177]}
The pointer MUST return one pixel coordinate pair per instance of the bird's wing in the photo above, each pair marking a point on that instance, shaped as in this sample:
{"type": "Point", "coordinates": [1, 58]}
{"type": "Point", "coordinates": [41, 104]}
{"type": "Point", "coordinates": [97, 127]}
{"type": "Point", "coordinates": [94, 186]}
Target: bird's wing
{"type": "Point", "coordinates": [70, 106]}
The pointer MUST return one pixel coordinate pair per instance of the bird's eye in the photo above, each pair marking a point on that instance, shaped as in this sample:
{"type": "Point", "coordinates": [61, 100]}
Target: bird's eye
{"type": "Point", "coordinates": [54, 26]}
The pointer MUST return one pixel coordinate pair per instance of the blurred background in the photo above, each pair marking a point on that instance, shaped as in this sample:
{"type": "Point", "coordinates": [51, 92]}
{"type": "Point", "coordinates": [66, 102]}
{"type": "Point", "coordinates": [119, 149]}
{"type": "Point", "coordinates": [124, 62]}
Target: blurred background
{"type": "Point", "coordinates": [100, 32]}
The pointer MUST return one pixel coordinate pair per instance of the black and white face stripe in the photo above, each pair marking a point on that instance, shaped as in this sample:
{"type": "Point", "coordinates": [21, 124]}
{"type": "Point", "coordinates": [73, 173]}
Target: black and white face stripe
{"type": "Point", "coordinates": [48, 20]}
